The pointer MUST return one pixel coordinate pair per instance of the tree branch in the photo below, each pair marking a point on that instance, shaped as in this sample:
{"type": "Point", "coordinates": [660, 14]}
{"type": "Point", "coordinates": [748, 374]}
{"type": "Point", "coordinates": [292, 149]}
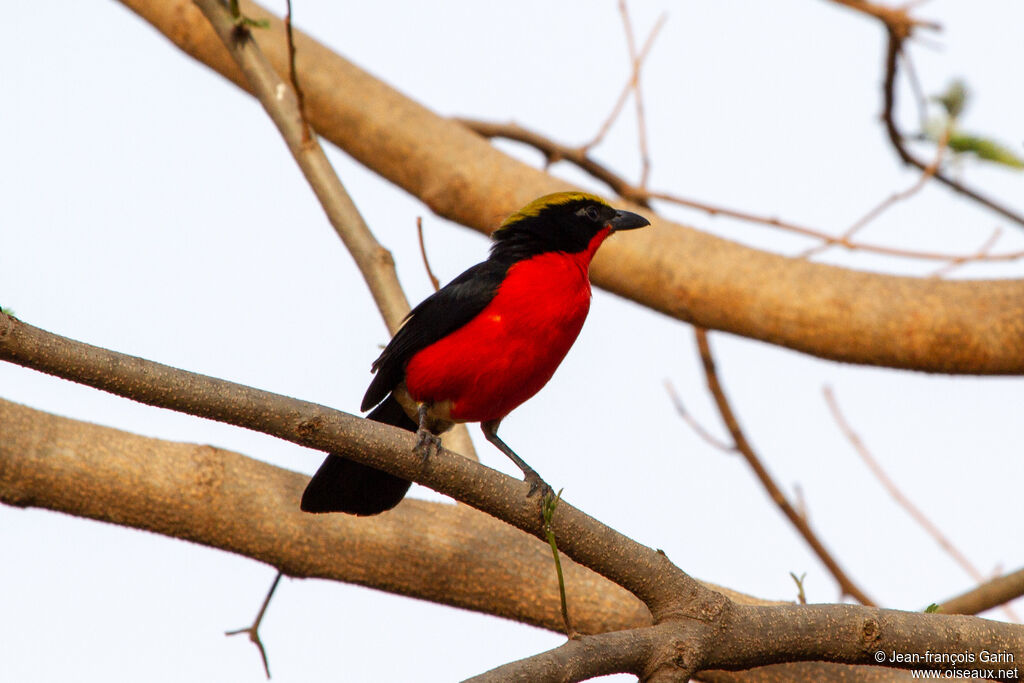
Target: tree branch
{"type": "Point", "coordinates": [556, 151]}
{"type": "Point", "coordinates": [799, 522]}
{"type": "Point", "coordinates": [586, 657]}
{"type": "Point", "coordinates": [853, 634]}
{"type": "Point", "coordinates": [715, 632]}
{"type": "Point", "coordinates": [230, 502]}
{"type": "Point", "coordinates": [826, 311]}
{"type": "Point", "coordinates": [897, 495]}
{"type": "Point", "coordinates": [993, 593]}
{"type": "Point", "coordinates": [281, 103]}
{"type": "Point", "coordinates": [225, 500]}
{"type": "Point", "coordinates": [649, 575]}
{"type": "Point", "coordinates": [284, 104]}
{"type": "Point", "coordinates": [900, 26]}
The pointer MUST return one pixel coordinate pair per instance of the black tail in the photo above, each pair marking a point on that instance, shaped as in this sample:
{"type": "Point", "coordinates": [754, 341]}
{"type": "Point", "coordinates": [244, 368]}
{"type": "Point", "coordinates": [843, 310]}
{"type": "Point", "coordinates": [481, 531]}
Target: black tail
{"type": "Point", "coordinates": [342, 485]}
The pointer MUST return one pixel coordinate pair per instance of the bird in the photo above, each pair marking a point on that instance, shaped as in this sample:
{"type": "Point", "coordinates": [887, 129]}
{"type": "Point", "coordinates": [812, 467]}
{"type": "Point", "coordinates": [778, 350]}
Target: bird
{"type": "Point", "coordinates": [481, 345]}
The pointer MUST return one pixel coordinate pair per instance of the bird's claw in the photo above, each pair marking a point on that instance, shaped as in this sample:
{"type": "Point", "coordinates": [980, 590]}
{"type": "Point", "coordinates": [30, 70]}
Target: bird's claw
{"type": "Point", "coordinates": [427, 444]}
{"type": "Point", "coordinates": [538, 484]}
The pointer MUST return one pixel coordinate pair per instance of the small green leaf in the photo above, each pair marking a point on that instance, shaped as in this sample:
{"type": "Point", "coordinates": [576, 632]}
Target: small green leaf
{"type": "Point", "coordinates": [984, 148]}
{"type": "Point", "coordinates": [549, 507]}
{"type": "Point", "coordinates": [932, 608]}
{"type": "Point", "coordinates": [954, 99]}
{"type": "Point", "coordinates": [253, 23]}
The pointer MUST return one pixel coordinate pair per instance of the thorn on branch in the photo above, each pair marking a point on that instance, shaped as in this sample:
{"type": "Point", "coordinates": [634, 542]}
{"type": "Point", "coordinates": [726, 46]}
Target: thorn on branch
{"type": "Point", "coordinates": [254, 630]}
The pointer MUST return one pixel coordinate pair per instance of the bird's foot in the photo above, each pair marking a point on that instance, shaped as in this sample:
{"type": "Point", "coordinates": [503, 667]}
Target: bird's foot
{"type": "Point", "coordinates": [427, 444]}
{"type": "Point", "coordinates": [538, 485]}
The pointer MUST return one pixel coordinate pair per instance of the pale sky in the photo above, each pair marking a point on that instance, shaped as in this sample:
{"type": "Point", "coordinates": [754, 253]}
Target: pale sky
{"type": "Point", "coordinates": [150, 207]}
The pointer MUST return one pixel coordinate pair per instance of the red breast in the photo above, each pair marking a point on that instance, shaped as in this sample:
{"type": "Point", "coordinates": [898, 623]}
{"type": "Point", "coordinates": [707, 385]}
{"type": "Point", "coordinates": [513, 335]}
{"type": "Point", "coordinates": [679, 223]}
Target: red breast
{"type": "Point", "coordinates": [510, 350]}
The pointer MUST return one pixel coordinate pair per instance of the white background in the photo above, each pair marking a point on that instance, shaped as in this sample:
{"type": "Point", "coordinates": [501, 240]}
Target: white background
{"type": "Point", "coordinates": [150, 207]}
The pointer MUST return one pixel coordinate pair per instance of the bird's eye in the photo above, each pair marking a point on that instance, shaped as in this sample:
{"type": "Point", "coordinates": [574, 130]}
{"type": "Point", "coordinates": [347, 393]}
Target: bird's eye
{"type": "Point", "coordinates": [592, 213]}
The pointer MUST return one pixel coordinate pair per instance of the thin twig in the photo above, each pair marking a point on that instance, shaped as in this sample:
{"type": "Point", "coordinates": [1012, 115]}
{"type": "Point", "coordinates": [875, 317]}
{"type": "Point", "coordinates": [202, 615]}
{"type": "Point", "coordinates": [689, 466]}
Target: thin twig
{"type": "Point", "coordinates": [638, 98]}
{"type": "Point", "coordinates": [423, 252]}
{"type": "Point", "coordinates": [555, 151]}
{"type": "Point", "coordinates": [254, 630]}
{"type": "Point", "coordinates": [897, 495]}
{"type": "Point", "coordinates": [846, 584]}
{"type": "Point", "coordinates": [894, 490]}
{"type": "Point", "coordinates": [801, 596]}
{"type": "Point", "coordinates": [696, 426]}
{"type": "Point", "coordinates": [983, 250]}
{"type": "Point", "coordinates": [293, 74]}
{"type": "Point", "coordinates": [894, 47]}
{"type": "Point", "coordinates": [892, 199]}
{"type": "Point", "coordinates": [916, 88]}
{"type": "Point", "coordinates": [621, 101]}
{"type": "Point", "coordinates": [626, 190]}
{"type": "Point", "coordinates": [281, 103]}
{"type": "Point", "coordinates": [825, 237]}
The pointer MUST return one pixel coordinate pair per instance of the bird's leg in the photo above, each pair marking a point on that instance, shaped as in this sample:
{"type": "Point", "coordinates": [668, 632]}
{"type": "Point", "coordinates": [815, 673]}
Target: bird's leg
{"type": "Point", "coordinates": [530, 475]}
{"type": "Point", "coordinates": [427, 443]}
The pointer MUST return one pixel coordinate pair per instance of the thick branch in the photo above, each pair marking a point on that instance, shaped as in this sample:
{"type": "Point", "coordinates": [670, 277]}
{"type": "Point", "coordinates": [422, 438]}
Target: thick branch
{"type": "Point", "coordinates": [763, 635]}
{"type": "Point", "coordinates": [998, 591]}
{"type": "Point", "coordinates": [584, 658]}
{"type": "Point", "coordinates": [227, 501]}
{"type": "Point", "coordinates": [853, 634]}
{"type": "Point", "coordinates": [937, 326]}
{"type": "Point", "coordinates": [649, 575]}
{"type": "Point", "coordinates": [718, 633]}
{"type": "Point", "coordinates": [230, 502]}
{"type": "Point", "coordinates": [443, 553]}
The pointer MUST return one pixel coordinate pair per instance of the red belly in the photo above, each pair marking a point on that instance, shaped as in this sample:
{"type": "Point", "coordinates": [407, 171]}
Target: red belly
{"type": "Point", "coordinates": [512, 348]}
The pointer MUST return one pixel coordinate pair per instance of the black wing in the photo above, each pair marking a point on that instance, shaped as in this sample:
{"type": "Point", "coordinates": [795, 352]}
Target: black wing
{"type": "Point", "coordinates": [436, 317]}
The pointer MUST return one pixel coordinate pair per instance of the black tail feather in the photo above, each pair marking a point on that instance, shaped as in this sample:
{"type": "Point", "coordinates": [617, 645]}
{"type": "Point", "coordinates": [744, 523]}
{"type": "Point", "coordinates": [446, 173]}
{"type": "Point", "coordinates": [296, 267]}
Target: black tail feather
{"type": "Point", "coordinates": [343, 485]}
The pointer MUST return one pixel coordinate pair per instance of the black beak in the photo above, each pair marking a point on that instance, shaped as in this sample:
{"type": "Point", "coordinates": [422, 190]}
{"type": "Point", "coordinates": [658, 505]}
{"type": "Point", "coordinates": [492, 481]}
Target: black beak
{"type": "Point", "coordinates": [627, 220]}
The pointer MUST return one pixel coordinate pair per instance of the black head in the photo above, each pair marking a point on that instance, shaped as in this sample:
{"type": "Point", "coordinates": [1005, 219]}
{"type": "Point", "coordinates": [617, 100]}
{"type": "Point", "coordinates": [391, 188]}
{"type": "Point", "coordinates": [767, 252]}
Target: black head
{"type": "Point", "coordinates": [564, 221]}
